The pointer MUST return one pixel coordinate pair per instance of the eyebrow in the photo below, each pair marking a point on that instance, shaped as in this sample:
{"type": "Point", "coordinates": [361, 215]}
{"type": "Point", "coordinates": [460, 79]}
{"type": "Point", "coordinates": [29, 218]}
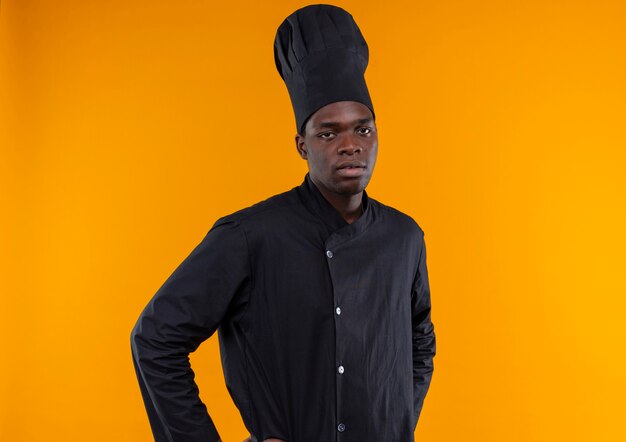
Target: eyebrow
{"type": "Point", "coordinates": [333, 124]}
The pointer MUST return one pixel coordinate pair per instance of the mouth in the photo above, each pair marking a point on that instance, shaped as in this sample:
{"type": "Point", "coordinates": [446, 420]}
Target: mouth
{"type": "Point", "coordinates": [351, 170]}
{"type": "Point", "coordinates": [351, 164]}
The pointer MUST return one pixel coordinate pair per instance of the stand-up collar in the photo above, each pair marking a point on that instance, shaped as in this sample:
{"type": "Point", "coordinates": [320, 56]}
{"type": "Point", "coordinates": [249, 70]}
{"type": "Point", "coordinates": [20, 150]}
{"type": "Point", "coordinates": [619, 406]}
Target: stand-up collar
{"type": "Point", "coordinates": [317, 204]}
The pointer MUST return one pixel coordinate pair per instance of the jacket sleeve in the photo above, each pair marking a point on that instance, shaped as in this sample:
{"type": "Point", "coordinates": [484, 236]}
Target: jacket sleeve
{"type": "Point", "coordinates": [424, 347]}
{"type": "Point", "coordinates": [185, 311]}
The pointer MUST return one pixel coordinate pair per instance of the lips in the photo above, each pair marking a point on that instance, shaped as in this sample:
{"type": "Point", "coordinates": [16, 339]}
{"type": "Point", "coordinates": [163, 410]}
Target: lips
{"type": "Point", "coordinates": [351, 165]}
{"type": "Point", "coordinates": [351, 169]}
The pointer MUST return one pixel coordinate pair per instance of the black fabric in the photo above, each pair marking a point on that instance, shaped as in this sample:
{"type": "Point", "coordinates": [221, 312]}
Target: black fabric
{"type": "Point", "coordinates": [322, 56]}
{"type": "Point", "coordinates": [269, 279]}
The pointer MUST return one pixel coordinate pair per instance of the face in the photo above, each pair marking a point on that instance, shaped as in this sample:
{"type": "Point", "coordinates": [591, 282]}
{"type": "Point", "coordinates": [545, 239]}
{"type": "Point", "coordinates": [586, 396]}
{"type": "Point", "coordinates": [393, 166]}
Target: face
{"type": "Point", "coordinates": [340, 146]}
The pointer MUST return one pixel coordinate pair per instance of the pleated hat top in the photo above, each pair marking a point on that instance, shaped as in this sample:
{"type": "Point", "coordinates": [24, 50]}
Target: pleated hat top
{"type": "Point", "coordinates": [321, 55]}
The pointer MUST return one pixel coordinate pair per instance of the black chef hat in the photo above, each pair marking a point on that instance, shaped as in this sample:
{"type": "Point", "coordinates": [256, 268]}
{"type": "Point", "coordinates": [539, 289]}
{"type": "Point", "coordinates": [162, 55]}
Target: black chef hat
{"type": "Point", "coordinates": [321, 55]}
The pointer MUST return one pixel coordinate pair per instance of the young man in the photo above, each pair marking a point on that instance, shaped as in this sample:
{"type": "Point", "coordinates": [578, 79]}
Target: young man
{"type": "Point", "coordinates": [320, 294]}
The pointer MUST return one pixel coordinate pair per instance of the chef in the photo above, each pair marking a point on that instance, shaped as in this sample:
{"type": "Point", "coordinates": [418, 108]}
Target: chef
{"type": "Point", "coordinates": [319, 295]}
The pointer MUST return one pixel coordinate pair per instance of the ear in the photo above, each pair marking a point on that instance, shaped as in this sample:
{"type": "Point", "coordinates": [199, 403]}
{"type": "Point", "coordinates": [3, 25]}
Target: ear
{"type": "Point", "coordinates": [300, 146]}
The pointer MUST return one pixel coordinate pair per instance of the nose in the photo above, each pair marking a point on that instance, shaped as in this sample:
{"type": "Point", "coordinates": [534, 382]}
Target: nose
{"type": "Point", "coordinates": [349, 145]}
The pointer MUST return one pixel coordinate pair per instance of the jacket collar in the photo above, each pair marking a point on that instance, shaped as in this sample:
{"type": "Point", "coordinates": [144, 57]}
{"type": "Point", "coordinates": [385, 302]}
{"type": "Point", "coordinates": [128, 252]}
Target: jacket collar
{"type": "Point", "coordinates": [318, 205]}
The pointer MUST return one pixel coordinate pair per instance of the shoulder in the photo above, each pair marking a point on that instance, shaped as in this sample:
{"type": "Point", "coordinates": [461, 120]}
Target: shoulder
{"type": "Point", "coordinates": [398, 219]}
{"type": "Point", "coordinates": [268, 208]}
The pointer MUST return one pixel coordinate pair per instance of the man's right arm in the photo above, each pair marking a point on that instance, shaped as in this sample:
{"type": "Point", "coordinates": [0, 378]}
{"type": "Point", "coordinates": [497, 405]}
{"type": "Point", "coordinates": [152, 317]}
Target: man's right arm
{"type": "Point", "coordinates": [185, 311]}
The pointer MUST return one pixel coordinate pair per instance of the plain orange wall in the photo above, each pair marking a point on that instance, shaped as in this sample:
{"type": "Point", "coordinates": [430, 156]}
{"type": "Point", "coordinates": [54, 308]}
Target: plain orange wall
{"type": "Point", "coordinates": [128, 127]}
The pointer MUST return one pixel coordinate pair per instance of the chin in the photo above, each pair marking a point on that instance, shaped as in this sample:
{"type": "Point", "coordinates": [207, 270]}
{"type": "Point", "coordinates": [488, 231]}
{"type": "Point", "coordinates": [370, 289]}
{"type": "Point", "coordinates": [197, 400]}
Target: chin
{"type": "Point", "coordinates": [352, 187]}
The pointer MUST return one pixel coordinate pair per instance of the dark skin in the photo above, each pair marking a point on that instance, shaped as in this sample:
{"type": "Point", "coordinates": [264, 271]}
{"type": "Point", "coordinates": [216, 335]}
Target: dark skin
{"type": "Point", "coordinates": [338, 133]}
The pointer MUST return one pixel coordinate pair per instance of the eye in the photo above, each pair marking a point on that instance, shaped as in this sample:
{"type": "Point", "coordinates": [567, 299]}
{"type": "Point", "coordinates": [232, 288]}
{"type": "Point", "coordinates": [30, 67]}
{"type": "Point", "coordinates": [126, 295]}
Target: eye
{"type": "Point", "coordinates": [364, 130]}
{"type": "Point", "coordinates": [326, 135]}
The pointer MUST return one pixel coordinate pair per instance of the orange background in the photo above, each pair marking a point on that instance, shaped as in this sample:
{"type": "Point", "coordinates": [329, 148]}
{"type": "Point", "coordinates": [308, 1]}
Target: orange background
{"type": "Point", "coordinates": [128, 127]}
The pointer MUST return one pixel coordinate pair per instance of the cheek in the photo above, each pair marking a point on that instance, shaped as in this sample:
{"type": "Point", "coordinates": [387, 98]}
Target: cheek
{"type": "Point", "coordinates": [317, 160]}
{"type": "Point", "coordinates": [320, 156]}
{"type": "Point", "coordinates": [372, 155]}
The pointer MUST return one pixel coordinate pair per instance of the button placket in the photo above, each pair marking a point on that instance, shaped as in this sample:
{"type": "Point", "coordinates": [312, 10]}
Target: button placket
{"type": "Point", "coordinates": [341, 427]}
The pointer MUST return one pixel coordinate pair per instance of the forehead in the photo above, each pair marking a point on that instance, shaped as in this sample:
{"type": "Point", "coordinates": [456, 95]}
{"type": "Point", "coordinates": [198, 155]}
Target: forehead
{"type": "Point", "coordinates": [343, 112]}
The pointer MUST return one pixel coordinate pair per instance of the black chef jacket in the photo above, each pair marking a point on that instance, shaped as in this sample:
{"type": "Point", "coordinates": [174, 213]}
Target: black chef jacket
{"type": "Point", "coordinates": [324, 327]}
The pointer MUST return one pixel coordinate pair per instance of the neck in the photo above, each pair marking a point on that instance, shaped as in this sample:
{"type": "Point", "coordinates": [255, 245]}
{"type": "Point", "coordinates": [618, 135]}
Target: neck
{"type": "Point", "coordinates": [350, 207]}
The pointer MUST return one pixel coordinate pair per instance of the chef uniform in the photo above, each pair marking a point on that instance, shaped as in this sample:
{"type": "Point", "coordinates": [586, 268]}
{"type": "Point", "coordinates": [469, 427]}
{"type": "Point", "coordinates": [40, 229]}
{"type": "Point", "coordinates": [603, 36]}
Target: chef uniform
{"type": "Point", "coordinates": [324, 326]}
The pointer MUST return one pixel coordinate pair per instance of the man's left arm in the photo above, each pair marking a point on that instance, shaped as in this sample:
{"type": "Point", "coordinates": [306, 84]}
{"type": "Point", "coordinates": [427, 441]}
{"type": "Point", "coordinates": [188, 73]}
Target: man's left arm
{"type": "Point", "coordinates": [424, 347]}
